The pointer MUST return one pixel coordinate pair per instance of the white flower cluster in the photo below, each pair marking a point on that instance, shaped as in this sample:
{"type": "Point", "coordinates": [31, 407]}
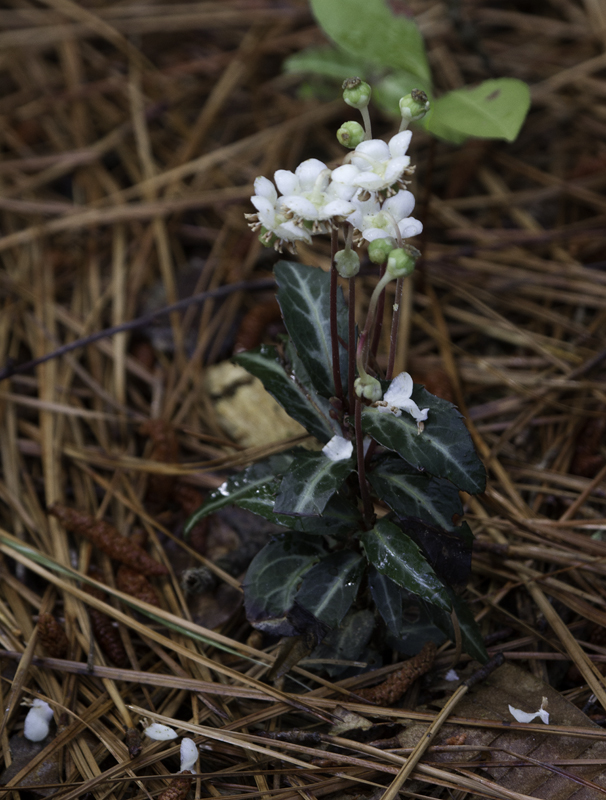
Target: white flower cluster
{"type": "Point", "coordinates": [368, 192]}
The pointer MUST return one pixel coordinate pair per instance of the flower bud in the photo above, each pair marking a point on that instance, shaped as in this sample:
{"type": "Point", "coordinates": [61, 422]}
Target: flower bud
{"type": "Point", "coordinates": [356, 92]}
{"type": "Point", "coordinates": [401, 261]}
{"type": "Point", "coordinates": [347, 263]}
{"type": "Point", "coordinates": [350, 134]}
{"type": "Point", "coordinates": [413, 106]}
{"type": "Point", "coordinates": [368, 387]}
{"type": "Point", "coordinates": [379, 250]}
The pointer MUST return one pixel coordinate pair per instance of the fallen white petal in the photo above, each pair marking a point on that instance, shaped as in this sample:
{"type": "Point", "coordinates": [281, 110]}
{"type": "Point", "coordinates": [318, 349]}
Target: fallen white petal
{"type": "Point", "coordinates": [525, 716]}
{"type": "Point", "coordinates": [37, 721]}
{"type": "Point", "coordinates": [451, 675]}
{"type": "Point", "coordinates": [160, 733]}
{"type": "Point", "coordinates": [189, 754]}
{"type": "Point", "coordinates": [338, 448]}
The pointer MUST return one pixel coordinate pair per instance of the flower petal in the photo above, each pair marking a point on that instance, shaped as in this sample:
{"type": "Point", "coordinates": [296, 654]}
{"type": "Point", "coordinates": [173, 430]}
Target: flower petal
{"type": "Point", "coordinates": [263, 205]}
{"type": "Point", "coordinates": [400, 390]}
{"type": "Point", "coordinates": [395, 168]}
{"type": "Point", "coordinates": [370, 234]}
{"type": "Point", "coordinates": [398, 144]}
{"type": "Point", "coordinates": [338, 448]}
{"type": "Point", "coordinates": [301, 207]}
{"type": "Point", "coordinates": [286, 181]}
{"type": "Point", "coordinates": [188, 753]}
{"type": "Point", "coordinates": [410, 227]}
{"type": "Point", "coordinates": [400, 205]}
{"type": "Point", "coordinates": [337, 208]}
{"type": "Point", "coordinates": [308, 171]}
{"type": "Point", "coordinates": [265, 188]}
{"type": "Point", "coordinates": [375, 149]}
{"type": "Point", "coordinates": [346, 173]}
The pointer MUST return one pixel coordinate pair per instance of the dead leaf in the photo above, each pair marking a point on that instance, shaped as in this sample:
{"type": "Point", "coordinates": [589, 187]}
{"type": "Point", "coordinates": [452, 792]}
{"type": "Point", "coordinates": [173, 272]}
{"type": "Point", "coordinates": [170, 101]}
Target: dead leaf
{"type": "Point", "coordinates": [490, 700]}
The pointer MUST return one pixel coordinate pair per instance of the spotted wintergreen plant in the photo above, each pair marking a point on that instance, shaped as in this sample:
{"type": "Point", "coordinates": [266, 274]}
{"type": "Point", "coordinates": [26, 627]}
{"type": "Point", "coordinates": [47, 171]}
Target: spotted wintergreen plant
{"type": "Point", "coordinates": [369, 522]}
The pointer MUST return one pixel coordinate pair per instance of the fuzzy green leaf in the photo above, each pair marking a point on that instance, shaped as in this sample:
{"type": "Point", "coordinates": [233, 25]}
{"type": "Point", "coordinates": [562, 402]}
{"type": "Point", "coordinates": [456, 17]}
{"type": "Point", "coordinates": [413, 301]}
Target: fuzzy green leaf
{"type": "Point", "coordinates": [394, 554]}
{"type": "Point", "coordinates": [304, 297]}
{"type": "Point", "coordinates": [310, 410]}
{"type": "Point", "coordinates": [443, 449]}
{"type": "Point", "coordinates": [368, 29]}
{"type": "Point", "coordinates": [273, 579]}
{"type": "Point", "coordinates": [330, 587]}
{"type": "Point", "coordinates": [496, 109]}
{"type": "Point", "coordinates": [312, 479]}
{"type": "Point", "coordinates": [411, 493]}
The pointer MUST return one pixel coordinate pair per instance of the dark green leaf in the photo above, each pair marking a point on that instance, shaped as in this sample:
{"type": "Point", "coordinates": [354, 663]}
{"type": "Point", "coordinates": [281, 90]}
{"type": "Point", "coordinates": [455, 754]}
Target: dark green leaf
{"type": "Point", "coordinates": [273, 579]}
{"type": "Point", "coordinates": [312, 479]}
{"type": "Point", "coordinates": [394, 554]}
{"type": "Point", "coordinates": [304, 297]}
{"type": "Point", "coordinates": [329, 588]}
{"type": "Point", "coordinates": [254, 489]}
{"type": "Point", "coordinates": [347, 642]}
{"type": "Point", "coordinates": [411, 493]}
{"type": "Point", "coordinates": [496, 109]}
{"type": "Point", "coordinates": [264, 363]}
{"type": "Point", "coordinates": [388, 599]}
{"type": "Point", "coordinates": [473, 642]}
{"type": "Point", "coordinates": [339, 518]}
{"type": "Point", "coordinates": [444, 448]}
{"type": "Point", "coordinates": [448, 551]}
{"type": "Point", "coordinates": [368, 29]}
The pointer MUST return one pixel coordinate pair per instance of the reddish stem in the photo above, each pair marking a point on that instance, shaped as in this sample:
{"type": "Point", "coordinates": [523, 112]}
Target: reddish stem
{"type": "Point", "coordinates": [366, 501]}
{"type": "Point", "coordinates": [334, 336]}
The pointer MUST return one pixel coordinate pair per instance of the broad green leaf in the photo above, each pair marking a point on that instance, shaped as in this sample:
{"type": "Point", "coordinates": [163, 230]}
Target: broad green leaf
{"type": "Point", "coordinates": [388, 599]}
{"type": "Point", "coordinates": [304, 297]}
{"type": "Point", "coordinates": [411, 493]}
{"type": "Point", "coordinates": [387, 91]}
{"type": "Point", "coordinates": [368, 29]}
{"type": "Point", "coordinates": [312, 479]}
{"type": "Point", "coordinates": [339, 518]}
{"type": "Point", "coordinates": [264, 363]}
{"type": "Point", "coordinates": [473, 642]}
{"type": "Point", "coordinates": [330, 62]}
{"type": "Point", "coordinates": [273, 579]}
{"type": "Point", "coordinates": [394, 554]}
{"type": "Point", "coordinates": [444, 448]}
{"type": "Point", "coordinates": [330, 587]}
{"type": "Point", "coordinates": [256, 484]}
{"type": "Point", "coordinates": [496, 109]}
{"type": "Point", "coordinates": [347, 642]}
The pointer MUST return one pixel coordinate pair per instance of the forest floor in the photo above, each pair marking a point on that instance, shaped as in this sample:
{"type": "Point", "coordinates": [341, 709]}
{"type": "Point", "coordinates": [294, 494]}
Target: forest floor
{"type": "Point", "coordinates": [131, 135]}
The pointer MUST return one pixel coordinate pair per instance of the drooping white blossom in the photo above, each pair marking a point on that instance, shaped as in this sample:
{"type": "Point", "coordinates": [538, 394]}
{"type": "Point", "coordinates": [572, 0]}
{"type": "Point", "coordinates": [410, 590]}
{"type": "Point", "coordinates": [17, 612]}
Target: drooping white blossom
{"type": "Point", "coordinates": [376, 165]}
{"type": "Point", "coordinates": [398, 398]}
{"type": "Point", "coordinates": [338, 448]}
{"type": "Point", "coordinates": [274, 217]}
{"type": "Point", "coordinates": [37, 721]}
{"type": "Point", "coordinates": [388, 220]}
{"type": "Point", "coordinates": [311, 195]}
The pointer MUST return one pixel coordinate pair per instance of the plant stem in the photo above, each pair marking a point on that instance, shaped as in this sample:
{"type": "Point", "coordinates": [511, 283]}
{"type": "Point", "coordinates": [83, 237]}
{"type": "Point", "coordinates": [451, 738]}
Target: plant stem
{"type": "Point", "coordinates": [395, 322]}
{"type": "Point", "coordinates": [378, 327]}
{"type": "Point", "coordinates": [351, 344]}
{"type": "Point", "coordinates": [334, 337]}
{"type": "Point", "coordinates": [364, 493]}
{"type": "Point", "coordinates": [362, 351]}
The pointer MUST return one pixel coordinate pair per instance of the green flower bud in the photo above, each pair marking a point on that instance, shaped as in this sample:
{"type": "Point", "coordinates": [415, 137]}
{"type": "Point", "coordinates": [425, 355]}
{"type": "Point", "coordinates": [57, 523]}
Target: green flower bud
{"type": "Point", "coordinates": [379, 250]}
{"type": "Point", "coordinates": [350, 134]}
{"type": "Point", "coordinates": [356, 92]}
{"type": "Point", "coordinates": [401, 261]}
{"type": "Point", "coordinates": [347, 263]}
{"type": "Point", "coordinates": [413, 106]}
{"type": "Point", "coordinates": [368, 387]}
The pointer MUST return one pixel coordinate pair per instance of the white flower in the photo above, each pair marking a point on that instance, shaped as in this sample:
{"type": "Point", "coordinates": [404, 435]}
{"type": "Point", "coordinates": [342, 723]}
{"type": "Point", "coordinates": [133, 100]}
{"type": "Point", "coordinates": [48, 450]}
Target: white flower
{"type": "Point", "coordinates": [189, 754]}
{"type": "Point", "coordinates": [274, 216]}
{"type": "Point", "coordinates": [160, 733]}
{"type": "Point", "coordinates": [525, 716]}
{"type": "Point", "coordinates": [375, 165]}
{"type": "Point", "coordinates": [388, 220]}
{"type": "Point", "coordinates": [309, 193]}
{"type": "Point", "coordinates": [398, 398]}
{"type": "Point", "coordinates": [338, 448]}
{"type": "Point", "coordinates": [37, 721]}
